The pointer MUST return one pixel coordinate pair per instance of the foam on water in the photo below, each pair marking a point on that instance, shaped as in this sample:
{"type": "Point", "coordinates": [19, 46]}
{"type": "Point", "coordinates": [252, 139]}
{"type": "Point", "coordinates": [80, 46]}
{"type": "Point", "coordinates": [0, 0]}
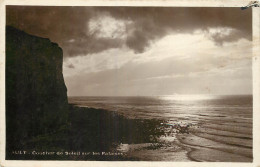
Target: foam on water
{"type": "Point", "coordinates": [221, 123]}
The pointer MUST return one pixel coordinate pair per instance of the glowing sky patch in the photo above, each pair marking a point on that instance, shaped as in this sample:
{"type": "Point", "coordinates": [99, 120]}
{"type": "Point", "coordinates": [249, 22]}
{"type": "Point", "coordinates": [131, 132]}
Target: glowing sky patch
{"type": "Point", "coordinates": [105, 26]}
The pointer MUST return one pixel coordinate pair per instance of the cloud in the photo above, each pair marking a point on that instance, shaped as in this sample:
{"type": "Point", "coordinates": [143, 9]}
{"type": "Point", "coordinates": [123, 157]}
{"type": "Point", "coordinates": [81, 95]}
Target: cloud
{"type": "Point", "coordinates": [223, 35]}
{"type": "Point", "coordinates": [154, 23]}
{"type": "Point", "coordinates": [67, 26]}
{"type": "Point", "coordinates": [105, 26]}
{"type": "Point", "coordinates": [90, 45]}
{"type": "Point", "coordinates": [113, 58]}
{"type": "Point", "coordinates": [117, 82]}
{"type": "Point", "coordinates": [96, 29]}
{"type": "Point", "coordinates": [167, 68]}
{"type": "Point", "coordinates": [137, 41]}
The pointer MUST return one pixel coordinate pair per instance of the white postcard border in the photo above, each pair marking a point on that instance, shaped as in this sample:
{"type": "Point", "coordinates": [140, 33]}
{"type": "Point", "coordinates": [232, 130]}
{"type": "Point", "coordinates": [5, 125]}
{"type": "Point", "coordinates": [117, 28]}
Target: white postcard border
{"type": "Point", "coordinates": [172, 3]}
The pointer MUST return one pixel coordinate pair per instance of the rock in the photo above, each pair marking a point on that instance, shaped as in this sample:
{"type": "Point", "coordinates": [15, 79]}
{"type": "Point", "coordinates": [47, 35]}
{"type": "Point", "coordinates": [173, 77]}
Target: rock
{"type": "Point", "coordinates": [36, 95]}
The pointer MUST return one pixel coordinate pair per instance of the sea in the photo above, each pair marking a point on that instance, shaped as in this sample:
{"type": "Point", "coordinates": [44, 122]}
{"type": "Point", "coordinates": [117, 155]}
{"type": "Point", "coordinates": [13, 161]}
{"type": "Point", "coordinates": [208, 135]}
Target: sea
{"type": "Point", "coordinates": [220, 125]}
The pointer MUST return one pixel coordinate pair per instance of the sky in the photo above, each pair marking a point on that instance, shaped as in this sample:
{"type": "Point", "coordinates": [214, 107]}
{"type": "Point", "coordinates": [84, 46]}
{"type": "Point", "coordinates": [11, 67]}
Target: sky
{"type": "Point", "coordinates": [143, 51]}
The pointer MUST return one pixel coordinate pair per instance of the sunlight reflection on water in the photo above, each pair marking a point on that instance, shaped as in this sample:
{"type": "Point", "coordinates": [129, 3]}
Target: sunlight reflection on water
{"type": "Point", "coordinates": [189, 97]}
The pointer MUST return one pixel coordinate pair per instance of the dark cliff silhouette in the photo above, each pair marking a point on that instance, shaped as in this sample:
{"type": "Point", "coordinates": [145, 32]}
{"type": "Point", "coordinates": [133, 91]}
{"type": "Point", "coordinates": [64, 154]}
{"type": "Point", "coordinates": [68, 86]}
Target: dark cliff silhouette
{"type": "Point", "coordinates": [36, 95]}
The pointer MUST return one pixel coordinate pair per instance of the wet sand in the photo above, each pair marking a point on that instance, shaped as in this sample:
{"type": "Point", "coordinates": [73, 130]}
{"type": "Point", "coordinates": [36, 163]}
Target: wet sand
{"type": "Point", "coordinates": [199, 144]}
{"type": "Point", "coordinates": [180, 139]}
{"type": "Point", "coordinates": [219, 140]}
{"type": "Point", "coordinates": [198, 138]}
{"type": "Point", "coordinates": [209, 150]}
{"type": "Point", "coordinates": [151, 152]}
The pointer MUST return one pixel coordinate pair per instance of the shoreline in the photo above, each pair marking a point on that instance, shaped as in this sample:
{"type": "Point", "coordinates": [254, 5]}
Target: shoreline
{"type": "Point", "coordinates": [103, 135]}
{"type": "Point", "coordinates": [162, 142]}
{"type": "Point", "coordinates": [146, 149]}
{"type": "Point", "coordinates": [191, 150]}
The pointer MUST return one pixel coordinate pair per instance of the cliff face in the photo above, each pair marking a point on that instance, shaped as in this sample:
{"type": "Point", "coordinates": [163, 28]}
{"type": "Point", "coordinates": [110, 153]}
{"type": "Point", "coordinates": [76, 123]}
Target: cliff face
{"type": "Point", "coordinates": [36, 95]}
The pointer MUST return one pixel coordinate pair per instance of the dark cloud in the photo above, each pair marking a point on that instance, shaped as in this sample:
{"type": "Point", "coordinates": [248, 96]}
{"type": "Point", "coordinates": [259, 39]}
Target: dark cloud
{"type": "Point", "coordinates": [63, 24]}
{"type": "Point", "coordinates": [138, 41]}
{"type": "Point", "coordinates": [221, 37]}
{"type": "Point", "coordinates": [154, 23]}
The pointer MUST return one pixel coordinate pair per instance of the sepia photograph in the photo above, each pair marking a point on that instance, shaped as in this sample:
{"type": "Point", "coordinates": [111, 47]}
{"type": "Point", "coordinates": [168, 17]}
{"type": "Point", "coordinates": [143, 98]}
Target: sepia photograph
{"type": "Point", "coordinates": [128, 83]}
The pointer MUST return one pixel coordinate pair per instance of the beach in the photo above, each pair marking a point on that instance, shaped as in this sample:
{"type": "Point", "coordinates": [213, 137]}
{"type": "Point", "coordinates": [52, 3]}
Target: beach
{"type": "Point", "coordinates": [217, 129]}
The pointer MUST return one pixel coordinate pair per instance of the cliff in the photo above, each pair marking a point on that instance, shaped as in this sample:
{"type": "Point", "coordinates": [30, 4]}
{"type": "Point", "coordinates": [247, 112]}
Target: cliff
{"type": "Point", "coordinates": [36, 95]}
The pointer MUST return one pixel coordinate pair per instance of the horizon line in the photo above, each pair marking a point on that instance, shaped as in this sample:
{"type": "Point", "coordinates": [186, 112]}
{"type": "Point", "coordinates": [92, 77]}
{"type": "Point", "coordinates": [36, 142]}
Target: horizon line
{"type": "Point", "coordinates": [160, 95]}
